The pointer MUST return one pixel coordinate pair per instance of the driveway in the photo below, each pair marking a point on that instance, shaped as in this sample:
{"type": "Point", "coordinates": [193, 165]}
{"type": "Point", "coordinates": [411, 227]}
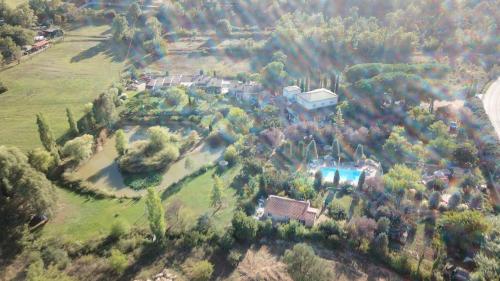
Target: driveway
{"type": "Point", "coordinates": [491, 102]}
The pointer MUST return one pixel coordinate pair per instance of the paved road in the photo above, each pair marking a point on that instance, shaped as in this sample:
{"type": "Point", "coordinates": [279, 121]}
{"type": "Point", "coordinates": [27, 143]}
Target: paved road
{"type": "Point", "coordinates": [491, 102]}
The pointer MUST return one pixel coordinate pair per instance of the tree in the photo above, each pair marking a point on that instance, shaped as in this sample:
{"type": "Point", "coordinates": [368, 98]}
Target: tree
{"type": "Point", "coordinates": [462, 231]}
{"type": "Point", "coordinates": [159, 138]}
{"type": "Point", "coordinates": [121, 142]}
{"type": "Point", "coordinates": [231, 155]}
{"type": "Point", "coordinates": [466, 155]}
{"type": "Point", "coordinates": [383, 225]}
{"type": "Point", "coordinates": [118, 261]}
{"type": "Point", "coordinates": [434, 200]}
{"type": "Point", "coordinates": [3, 88]}
{"type": "Point", "coordinates": [361, 181]}
{"type": "Point", "coordinates": [381, 245]}
{"type": "Point", "coordinates": [104, 109]}
{"type": "Point", "coordinates": [339, 119]}
{"type": "Point", "coordinates": [336, 178]}
{"type": "Point", "coordinates": [119, 28]}
{"type": "Point", "coordinates": [303, 264]}
{"type": "Point", "coordinates": [134, 12]}
{"type": "Point", "coordinates": [9, 49]}
{"type": "Point", "coordinates": [318, 180]}
{"type": "Point", "coordinates": [176, 97]}
{"type": "Point", "coordinates": [488, 268]}
{"type": "Point", "coordinates": [279, 56]}
{"type": "Point", "coordinates": [79, 148]}
{"type": "Point", "coordinates": [199, 271]}
{"type": "Point", "coordinates": [223, 27]}
{"type": "Point", "coordinates": [41, 160]}
{"type": "Point", "coordinates": [71, 121]}
{"type": "Point", "coordinates": [274, 76]}
{"type": "Point", "coordinates": [455, 200]}
{"type": "Point", "coordinates": [216, 197]}
{"type": "Point", "coordinates": [239, 120]}
{"type": "Point", "coordinates": [46, 136]}
{"type": "Point", "coordinates": [24, 191]}
{"type": "Point", "coordinates": [400, 178]}
{"type": "Point", "coordinates": [24, 16]}
{"type": "Point", "coordinates": [244, 227]}
{"type": "Point", "coordinates": [188, 163]}
{"type": "Point", "coordinates": [156, 215]}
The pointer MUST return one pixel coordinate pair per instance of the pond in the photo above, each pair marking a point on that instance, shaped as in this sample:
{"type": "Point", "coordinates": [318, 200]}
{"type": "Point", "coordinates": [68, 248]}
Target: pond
{"type": "Point", "coordinates": [103, 172]}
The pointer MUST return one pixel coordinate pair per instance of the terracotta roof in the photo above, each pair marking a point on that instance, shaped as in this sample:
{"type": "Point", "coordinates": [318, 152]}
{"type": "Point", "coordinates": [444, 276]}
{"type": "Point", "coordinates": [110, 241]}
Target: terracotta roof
{"type": "Point", "coordinates": [290, 208]}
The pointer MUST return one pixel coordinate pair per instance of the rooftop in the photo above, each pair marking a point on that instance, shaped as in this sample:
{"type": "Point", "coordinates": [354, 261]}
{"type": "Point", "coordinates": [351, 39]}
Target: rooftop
{"type": "Point", "coordinates": [318, 95]}
{"type": "Point", "coordinates": [292, 88]}
{"type": "Point", "coordinates": [287, 207]}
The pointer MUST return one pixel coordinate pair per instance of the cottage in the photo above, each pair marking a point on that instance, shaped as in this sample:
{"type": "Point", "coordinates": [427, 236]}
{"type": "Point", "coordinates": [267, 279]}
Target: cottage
{"type": "Point", "coordinates": [282, 209]}
{"type": "Point", "coordinates": [39, 45]}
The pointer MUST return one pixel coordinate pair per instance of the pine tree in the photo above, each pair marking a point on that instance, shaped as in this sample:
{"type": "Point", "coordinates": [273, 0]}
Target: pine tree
{"type": "Point", "coordinates": [216, 197]}
{"type": "Point", "coordinates": [339, 119]}
{"type": "Point", "coordinates": [156, 215]}
{"type": "Point", "coordinates": [71, 121]}
{"type": "Point", "coordinates": [46, 135]}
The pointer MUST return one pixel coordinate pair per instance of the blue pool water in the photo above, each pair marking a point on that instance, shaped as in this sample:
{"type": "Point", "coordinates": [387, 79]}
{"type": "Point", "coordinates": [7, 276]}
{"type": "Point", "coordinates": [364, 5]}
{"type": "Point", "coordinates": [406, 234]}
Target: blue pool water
{"type": "Point", "coordinates": [346, 174]}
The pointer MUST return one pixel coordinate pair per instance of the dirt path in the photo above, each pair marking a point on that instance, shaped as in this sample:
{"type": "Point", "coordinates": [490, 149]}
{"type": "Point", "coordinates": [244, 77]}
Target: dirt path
{"type": "Point", "coordinates": [491, 102]}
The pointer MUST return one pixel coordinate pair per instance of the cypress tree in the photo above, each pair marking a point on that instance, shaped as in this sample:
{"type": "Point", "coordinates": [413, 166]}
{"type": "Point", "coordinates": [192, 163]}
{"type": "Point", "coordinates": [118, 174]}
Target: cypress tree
{"type": "Point", "coordinates": [337, 84]}
{"type": "Point", "coordinates": [361, 181]}
{"type": "Point", "coordinates": [332, 83]}
{"type": "Point", "coordinates": [71, 121]}
{"type": "Point", "coordinates": [46, 135]}
{"type": "Point", "coordinates": [336, 178]}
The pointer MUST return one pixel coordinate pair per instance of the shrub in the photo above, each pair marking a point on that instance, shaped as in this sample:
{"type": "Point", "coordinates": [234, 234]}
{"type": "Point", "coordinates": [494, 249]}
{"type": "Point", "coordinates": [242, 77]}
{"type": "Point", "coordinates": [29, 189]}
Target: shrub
{"type": "Point", "coordinates": [400, 263]}
{"type": "Point", "coordinates": [434, 200]}
{"type": "Point", "coordinates": [383, 225]}
{"type": "Point", "coordinates": [199, 271]}
{"type": "Point", "coordinates": [143, 180]}
{"type": "Point", "coordinates": [380, 245]}
{"type": "Point", "coordinates": [244, 227]}
{"type": "Point", "coordinates": [231, 155]}
{"type": "Point", "coordinates": [54, 255]}
{"type": "Point", "coordinates": [293, 231]}
{"type": "Point", "coordinates": [118, 261]}
{"type": "Point", "coordinates": [3, 88]}
{"type": "Point", "coordinates": [303, 264]}
{"type": "Point", "coordinates": [118, 229]}
{"type": "Point", "coordinates": [337, 212]}
{"type": "Point", "coordinates": [455, 200]}
{"type": "Point", "coordinates": [234, 257]}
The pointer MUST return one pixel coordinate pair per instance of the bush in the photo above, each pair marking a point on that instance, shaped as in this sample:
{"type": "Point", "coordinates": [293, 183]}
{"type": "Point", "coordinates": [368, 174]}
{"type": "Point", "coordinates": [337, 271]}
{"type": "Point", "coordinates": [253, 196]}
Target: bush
{"type": "Point", "coordinates": [143, 180]}
{"type": "Point", "coordinates": [54, 255]}
{"type": "Point", "coordinates": [118, 261]}
{"type": "Point", "coordinates": [231, 155]}
{"type": "Point", "coordinates": [199, 271]}
{"type": "Point", "coordinates": [293, 231]}
{"type": "Point", "coordinates": [118, 229]}
{"type": "Point", "coordinates": [337, 212]}
{"type": "Point", "coordinates": [380, 245]}
{"type": "Point", "coordinates": [434, 200]}
{"type": "Point", "coordinates": [234, 257]}
{"type": "Point", "coordinates": [303, 264]}
{"type": "Point", "coordinates": [3, 88]}
{"type": "Point", "coordinates": [383, 225]}
{"type": "Point", "coordinates": [400, 263]}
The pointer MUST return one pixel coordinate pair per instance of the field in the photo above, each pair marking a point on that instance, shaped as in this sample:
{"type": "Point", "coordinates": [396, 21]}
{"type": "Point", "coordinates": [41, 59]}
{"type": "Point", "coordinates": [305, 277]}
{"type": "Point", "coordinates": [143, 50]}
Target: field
{"type": "Point", "coordinates": [15, 3]}
{"type": "Point", "coordinates": [80, 218]}
{"type": "Point", "coordinates": [69, 74]}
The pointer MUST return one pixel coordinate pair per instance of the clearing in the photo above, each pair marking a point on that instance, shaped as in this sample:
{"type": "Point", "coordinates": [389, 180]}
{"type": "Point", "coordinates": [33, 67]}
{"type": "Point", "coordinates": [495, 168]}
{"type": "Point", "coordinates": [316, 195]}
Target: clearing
{"type": "Point", "coordinates": [81, 218]}
{"type": "Point", "coordinates": [70, 74]}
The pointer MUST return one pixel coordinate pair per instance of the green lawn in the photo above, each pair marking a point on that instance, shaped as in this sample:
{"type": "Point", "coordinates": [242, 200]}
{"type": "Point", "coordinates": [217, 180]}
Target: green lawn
{"type": "Point", "coordinates": [80, 218]}
{"type": "Point", "coordinates": [195, 197]}
{"type": "Point", "coordinates": [69, 74]}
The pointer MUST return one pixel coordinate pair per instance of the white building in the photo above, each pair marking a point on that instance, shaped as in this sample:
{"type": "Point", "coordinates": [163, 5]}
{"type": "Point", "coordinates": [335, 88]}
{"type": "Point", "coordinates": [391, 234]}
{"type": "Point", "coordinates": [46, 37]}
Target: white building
{"type": "Point", "coordinates": [318, 98]}
{"type": "Point", "coordinates": [291, 92]}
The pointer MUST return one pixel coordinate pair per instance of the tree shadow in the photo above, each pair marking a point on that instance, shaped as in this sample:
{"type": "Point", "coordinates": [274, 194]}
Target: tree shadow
{"type": "Point", "coordinates": [117, 52]}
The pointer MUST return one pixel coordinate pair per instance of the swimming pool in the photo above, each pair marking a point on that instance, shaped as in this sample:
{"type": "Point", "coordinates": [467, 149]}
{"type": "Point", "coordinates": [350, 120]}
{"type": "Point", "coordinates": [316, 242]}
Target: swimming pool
{"type": "Point", "coordinates": [346, 174]}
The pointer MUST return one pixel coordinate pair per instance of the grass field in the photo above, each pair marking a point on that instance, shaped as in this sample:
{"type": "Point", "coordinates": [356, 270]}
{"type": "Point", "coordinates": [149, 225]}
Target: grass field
{"type": "Point", "coordinates": [80, 218]}
{"type": "Point", "coordinates": [69, 74]}
{"type": "Point", "coordinates": [15, 3]}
